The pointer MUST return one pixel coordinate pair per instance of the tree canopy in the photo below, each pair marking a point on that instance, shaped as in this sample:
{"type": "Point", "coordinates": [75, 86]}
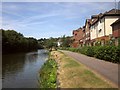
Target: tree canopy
{"type": "Point", "coordinates": [13, 41]}
{"type": "Point", "coordinates": [66, 41]}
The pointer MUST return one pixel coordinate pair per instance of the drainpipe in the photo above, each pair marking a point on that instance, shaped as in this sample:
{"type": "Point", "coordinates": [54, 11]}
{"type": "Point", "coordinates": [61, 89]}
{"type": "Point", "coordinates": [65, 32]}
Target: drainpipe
{"type": "Point", "coordinates": [104, 28]}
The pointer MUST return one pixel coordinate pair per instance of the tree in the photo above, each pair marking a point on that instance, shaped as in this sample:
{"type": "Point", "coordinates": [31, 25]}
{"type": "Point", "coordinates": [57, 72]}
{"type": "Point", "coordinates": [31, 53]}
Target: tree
{"type": "Point", "coordinates": [16, 42]}
{"type": "Point", "coordinates": [66, 41]}
{"type": "Point", "coordinates": [50, 44]}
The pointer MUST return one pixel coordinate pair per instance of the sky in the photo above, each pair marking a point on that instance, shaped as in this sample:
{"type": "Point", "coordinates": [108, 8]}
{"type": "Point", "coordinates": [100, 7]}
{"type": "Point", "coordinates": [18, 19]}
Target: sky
{"type": "Point", "coordinates": [49, 19]}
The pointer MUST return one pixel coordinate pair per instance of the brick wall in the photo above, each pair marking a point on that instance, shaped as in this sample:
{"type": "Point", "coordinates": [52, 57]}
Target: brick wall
{"type": "Point", "coordinates": [116, 30]}
{"type": "Point", "coordinates": [77, 36]}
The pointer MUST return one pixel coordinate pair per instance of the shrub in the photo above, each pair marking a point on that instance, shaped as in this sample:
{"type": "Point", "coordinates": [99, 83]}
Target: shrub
{"type": "Point", "coordinates": [107, 53]}
{"type": "Point", "coordinates": [90, 51]}
{"type": "Point", "coordinates": [99, 52]}
{"type": "Point", "coordinates": [118, 41]}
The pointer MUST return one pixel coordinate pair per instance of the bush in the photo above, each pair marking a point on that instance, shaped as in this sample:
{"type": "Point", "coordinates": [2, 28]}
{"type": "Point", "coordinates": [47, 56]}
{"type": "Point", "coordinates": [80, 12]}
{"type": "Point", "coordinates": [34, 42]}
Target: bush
{"type": "Point", "coordinates": [118, 41]}
{"type": "Point", "coordinates": [107, 53]}
{"type": "Point", "coordinates": [90, 51]}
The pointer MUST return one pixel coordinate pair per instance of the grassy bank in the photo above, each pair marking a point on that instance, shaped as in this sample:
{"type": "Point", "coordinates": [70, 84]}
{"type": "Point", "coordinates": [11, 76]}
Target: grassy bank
{"type": "Point", "coordinates": [72, 74]}
{"type": "Point", "coordinates": [48, 74]}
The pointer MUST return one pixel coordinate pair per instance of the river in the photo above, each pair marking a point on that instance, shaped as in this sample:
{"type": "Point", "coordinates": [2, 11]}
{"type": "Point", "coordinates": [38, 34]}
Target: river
{"type": "Point", "coordinates": [21, 70]}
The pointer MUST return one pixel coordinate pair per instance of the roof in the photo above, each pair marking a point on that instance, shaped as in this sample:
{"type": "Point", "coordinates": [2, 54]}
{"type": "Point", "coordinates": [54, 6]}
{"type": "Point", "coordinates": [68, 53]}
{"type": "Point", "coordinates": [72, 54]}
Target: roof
{"type": "Point", "coordinates": [116, 22]}
{"type": "Point", "coordinates": [95, 18]}
{"type": "Point", "coordinates": [88, 21]}
{"type": "Point", "coordinates": [77, 30]}
{"type": "Point", "coordinates": [94, 21]}
{"type": "Point", "coordinates": [113, 12]}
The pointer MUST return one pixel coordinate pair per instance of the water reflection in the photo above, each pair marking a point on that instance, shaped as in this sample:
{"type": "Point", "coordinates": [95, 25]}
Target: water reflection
{"type": "Point", "coordinates": [31, 57]}
{"type": "Point", "coordinates": [21, 70]}
{"type": "Point", "coordinates": [12, 63]}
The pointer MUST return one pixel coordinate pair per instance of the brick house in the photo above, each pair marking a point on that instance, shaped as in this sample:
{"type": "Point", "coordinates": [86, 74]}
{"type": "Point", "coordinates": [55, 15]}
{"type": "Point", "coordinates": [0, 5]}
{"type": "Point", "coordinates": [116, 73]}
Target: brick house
{"type": "Point", "coordinates": [100, 29]}
{"type": "Point", "coordinates": [116, 30]}
{"type": "Point", "coordinates": [77, 37]}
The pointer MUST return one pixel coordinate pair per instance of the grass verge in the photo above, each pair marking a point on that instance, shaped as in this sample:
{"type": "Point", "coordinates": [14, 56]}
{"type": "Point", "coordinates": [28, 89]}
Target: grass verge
{"type": "Point", "coordinates": [72, 74]}
{"type": "Point", "coordinates": [48, 74]}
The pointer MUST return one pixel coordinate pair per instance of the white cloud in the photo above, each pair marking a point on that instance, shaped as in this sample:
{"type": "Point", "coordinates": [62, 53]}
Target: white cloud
{"type": "Point", "coordinates": [37, 17]}
{"type": "Point", "coordinates": [15, 24]}
{"type": "Point", "coordinates": [57, 18]}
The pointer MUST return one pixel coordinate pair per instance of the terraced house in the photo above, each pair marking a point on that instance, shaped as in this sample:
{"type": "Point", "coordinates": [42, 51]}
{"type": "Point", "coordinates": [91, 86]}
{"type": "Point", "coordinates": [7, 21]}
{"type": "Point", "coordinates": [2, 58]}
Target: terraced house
{"type": "Point", "coordinates": [87, 32]}
{"type": "Point", "coordinates": [97, 30]}
{"type": "Point", "coordinates": [78, 37]}
{"type": "Point", "coordinates": [100, 29]}
{"type": "Point", "coordinates": [116, 31]}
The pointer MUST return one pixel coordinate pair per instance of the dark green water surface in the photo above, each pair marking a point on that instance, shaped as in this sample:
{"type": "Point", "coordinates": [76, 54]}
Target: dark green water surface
{"type": "Point", "coordinates": [21, 70]}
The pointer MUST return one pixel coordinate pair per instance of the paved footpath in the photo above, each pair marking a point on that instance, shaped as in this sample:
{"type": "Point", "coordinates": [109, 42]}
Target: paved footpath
{"type": "Point", "coordinates": [105, 69]}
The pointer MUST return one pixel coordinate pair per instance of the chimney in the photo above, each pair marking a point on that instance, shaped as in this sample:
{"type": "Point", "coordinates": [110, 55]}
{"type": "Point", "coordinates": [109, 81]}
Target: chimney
{"type": "Point", "coordinates": [119, 5]}
{"type": "Point", "coordinates": [115, 6]}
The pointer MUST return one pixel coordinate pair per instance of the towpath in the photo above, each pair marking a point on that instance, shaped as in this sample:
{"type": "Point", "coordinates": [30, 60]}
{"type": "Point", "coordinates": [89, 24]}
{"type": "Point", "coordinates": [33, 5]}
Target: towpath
{"type": "Point", "coordinates": [107, 70]}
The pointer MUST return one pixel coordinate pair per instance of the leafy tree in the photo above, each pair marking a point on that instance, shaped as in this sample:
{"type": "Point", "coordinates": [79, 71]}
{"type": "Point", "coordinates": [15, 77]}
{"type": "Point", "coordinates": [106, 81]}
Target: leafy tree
{"type": "Point", "coordinates": [66, 41]}
{"type": "Point", "coordinates": [51, 43]}
{"type": "Point", "coordinates": [13, 41]}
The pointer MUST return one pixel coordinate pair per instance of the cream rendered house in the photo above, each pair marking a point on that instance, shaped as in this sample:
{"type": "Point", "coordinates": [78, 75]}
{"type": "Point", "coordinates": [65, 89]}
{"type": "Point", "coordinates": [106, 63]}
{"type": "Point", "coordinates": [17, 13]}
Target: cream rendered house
{"type": "Point", "coordinates": [108, 21]}
{"type": "Point", "coordinates": [87, 31]}
{"type": "Point", "coordinates": [93, 29]}
{"type": "Point", "coordinates": [100, 29]}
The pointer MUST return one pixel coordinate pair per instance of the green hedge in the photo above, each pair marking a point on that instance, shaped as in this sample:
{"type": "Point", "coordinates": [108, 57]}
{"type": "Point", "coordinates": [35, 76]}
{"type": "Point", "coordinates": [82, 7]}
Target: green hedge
{"type": "Point", "coordinates": [107, 53]}
{"type": "Point", "coordinates": [48, 74]}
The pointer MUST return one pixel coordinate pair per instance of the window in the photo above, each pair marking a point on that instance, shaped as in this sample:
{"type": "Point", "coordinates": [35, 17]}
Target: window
{"type": "Point", "coordinates": [100, 30]}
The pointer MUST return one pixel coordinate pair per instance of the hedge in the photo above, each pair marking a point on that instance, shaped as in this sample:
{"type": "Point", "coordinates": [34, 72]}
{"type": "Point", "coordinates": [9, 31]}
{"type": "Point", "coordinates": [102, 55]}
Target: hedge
{"type": "Point", "coordinates": [107, 53]}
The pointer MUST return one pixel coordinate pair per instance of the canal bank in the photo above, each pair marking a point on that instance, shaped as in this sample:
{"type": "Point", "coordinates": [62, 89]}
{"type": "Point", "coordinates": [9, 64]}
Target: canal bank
{"type": "Point", "coordinates": [48, 74]}
{"type": "Point", "coordinates": [21, 70]}
{"type": "Point", "coordinates": [72, 74]}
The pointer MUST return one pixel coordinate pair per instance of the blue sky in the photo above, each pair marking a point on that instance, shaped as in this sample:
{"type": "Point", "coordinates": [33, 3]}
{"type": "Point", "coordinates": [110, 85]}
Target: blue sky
{"type": "Point", "coordinates": [49, 19]}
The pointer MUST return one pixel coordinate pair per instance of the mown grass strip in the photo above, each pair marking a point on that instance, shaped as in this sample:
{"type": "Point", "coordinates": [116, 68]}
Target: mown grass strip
{"type": "Point", "coordinates": [48, 74]}
{"type": "Point", "coordinates": [73, 74]}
